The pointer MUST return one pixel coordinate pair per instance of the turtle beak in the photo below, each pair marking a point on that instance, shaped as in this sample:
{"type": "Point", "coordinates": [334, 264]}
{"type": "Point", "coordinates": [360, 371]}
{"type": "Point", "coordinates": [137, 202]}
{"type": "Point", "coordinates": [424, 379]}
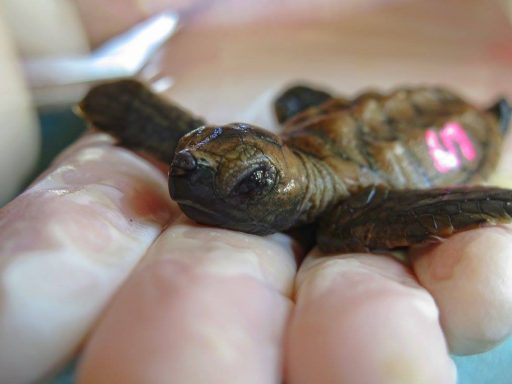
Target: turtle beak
{"type": "Point", "coordinates": [191, 179]}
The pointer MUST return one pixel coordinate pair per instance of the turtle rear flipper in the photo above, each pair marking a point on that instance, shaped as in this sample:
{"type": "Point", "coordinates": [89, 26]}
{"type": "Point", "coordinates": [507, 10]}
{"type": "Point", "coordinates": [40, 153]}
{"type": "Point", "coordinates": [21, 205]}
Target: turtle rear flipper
{"type": "Point", "coordinates": [379, 218]}
{"type": "Point", "coordinates": [503, 111]}
{"type": "Point", "coordinates": [297, 99]}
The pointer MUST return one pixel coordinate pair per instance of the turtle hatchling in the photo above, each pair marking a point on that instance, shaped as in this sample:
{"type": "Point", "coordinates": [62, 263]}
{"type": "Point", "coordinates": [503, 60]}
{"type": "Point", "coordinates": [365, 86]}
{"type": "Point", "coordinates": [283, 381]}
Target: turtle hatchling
{"type": "Point", "coordinates": [379, 171]}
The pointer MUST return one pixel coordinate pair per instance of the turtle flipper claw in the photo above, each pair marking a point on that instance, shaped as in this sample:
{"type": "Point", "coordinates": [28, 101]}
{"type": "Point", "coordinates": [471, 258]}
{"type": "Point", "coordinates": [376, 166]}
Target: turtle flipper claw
{"type": "Point", "coordinates": [379, 218]}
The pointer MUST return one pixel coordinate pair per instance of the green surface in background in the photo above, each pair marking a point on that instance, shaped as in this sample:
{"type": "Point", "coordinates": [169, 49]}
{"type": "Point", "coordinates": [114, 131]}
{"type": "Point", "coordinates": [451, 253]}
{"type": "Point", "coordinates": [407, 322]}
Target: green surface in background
{"type": "Point", "coordinates": [59, 128]}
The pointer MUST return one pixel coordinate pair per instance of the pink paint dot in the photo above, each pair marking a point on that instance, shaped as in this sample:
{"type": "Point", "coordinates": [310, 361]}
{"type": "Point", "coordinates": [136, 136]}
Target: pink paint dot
{"type": "Point", "coordinates": [444, 147]}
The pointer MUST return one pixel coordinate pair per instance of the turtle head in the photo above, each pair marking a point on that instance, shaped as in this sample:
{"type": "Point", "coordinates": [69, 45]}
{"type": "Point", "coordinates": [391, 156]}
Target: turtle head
{"type": "Point", "coordinates": [237, 176]}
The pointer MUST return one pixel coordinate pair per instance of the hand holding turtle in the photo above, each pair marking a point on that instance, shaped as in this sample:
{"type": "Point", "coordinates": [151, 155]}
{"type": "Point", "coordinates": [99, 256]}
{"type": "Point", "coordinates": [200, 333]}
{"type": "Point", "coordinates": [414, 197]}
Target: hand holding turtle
{"type": "Point", "coordinates": [328, 277]}
{"type": "Point", "coordinates": [214, 305]}
{"type": "Point", "coordinates": [369, 172]}
{"type": "Point", "coordinates": [209, 303]}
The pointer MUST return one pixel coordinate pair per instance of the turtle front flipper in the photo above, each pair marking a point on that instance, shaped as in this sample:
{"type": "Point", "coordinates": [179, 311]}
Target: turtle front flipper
{"type": "Point", "coordinates": [379, 218]}
{"type": "Point", "coordinates": [297, 99]}
{"type": "Point", "coordinates": [140, 119]}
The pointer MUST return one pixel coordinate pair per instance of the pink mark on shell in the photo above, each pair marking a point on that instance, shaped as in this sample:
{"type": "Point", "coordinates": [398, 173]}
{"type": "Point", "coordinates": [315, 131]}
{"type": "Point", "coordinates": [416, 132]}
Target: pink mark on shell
{"type": "Point", "coordinates": [446, 146]}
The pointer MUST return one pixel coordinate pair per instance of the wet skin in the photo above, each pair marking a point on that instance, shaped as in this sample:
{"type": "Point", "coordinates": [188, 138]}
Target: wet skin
{"type": "Point", "coordinates": [347, 165]}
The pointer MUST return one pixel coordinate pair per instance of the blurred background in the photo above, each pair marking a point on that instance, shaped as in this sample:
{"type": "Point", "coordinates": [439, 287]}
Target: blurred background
{"type": "Point", "coordinates": [230, 58]}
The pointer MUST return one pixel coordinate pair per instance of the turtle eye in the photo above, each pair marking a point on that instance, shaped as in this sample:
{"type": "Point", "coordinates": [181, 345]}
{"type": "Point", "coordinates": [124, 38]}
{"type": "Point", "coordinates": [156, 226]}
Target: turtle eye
{"type": "Point", "coordinates": [255, 183]}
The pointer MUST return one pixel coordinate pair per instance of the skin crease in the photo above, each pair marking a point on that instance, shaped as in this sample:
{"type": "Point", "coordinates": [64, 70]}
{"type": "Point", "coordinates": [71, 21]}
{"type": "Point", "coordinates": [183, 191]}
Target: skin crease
{"type": "Point", "coordinates": [226, 302]}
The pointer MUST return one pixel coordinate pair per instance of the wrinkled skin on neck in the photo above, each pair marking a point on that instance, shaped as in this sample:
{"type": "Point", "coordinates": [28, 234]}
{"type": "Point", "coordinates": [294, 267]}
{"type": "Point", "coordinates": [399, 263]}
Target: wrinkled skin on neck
{"type": "Point", "coordinates": [238, 177]}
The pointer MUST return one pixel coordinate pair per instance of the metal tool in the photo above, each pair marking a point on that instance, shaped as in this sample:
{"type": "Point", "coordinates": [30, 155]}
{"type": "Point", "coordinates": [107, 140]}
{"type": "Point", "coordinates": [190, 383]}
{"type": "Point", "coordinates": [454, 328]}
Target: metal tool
{"type": "Point", "coordinates": [63, 80]}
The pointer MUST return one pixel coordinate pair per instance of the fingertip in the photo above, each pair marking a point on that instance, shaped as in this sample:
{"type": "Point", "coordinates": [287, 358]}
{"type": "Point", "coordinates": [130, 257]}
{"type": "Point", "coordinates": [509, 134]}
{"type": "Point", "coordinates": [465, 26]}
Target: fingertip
{"type": "Point", "coordinates": [470, 278]}
{"type": "Point", "coordinates": [364, 319]}
{"type": "Point", "coordinates": [206, 305]}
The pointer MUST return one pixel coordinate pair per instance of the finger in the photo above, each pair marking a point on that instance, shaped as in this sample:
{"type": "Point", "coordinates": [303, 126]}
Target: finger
{"type": "Point", "coordinates": [45, 29]}
{"type": "Point", "coordinates": [364, 319]}
{"type": "Point", "coordinates": [19, 138]}
{"type": "Point", "coordinates": [207, 305]}
{"type": "Point", "coordinates": [67, 244]}
{"type": "Point", "coordinates": [470, 277]}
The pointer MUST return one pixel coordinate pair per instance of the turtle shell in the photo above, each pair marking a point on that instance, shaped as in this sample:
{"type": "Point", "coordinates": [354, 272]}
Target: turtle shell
{"type": "Point", "coordinates": [410, 138]}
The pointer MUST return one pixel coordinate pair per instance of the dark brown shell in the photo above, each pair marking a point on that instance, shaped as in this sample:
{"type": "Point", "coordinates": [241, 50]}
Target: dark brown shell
{"type": "Point", "coordinates": [379, 139]}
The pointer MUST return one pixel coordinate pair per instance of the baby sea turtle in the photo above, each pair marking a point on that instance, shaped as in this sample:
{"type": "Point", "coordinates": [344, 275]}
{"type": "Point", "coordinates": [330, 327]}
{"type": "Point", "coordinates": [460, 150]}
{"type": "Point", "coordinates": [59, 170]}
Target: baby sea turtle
{"type": "Point", "coordinates": [380, 171]}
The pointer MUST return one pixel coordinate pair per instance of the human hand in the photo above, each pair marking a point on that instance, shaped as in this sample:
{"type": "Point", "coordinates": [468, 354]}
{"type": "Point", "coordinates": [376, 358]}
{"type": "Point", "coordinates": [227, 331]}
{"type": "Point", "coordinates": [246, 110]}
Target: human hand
{"type": "Point", "coordinates": [218, 306]}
